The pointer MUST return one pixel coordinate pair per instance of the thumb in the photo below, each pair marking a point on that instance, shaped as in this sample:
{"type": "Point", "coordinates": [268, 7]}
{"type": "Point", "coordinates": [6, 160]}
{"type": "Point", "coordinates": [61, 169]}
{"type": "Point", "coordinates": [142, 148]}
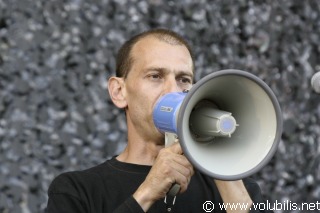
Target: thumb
{"type": "Point", "coordinates": [176, 148]}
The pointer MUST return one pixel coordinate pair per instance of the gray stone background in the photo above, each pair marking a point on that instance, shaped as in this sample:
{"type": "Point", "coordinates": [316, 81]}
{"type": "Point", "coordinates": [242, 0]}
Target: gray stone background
{"type": "Point", "coordinates": [55, 57]}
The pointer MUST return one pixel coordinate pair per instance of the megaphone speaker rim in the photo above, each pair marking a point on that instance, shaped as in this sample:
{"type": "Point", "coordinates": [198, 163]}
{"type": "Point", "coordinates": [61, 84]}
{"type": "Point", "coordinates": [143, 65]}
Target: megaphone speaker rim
{"type": "Point", "coordinates": [277, 109]}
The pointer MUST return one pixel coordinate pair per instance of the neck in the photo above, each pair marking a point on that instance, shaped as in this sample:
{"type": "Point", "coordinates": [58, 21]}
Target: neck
{"type": "Point", "coordinates": [143, 146]}
{"type": "Point", "coordinates": [142, 153]}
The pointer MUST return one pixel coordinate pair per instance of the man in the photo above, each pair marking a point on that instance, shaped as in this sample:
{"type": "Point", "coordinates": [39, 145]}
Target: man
{"type": "Point", "coordinates": [149, 65]}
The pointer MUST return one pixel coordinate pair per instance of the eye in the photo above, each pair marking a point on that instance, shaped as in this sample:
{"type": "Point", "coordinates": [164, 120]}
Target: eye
{"type": "Point", "coordinates": [185, 80]}
{"type": "Point", "coordinates": [155, 76]}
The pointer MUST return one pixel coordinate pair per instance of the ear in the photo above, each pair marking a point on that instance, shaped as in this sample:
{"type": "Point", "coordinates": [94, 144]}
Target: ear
{"type": "Point", "coordinates": [116, 88]}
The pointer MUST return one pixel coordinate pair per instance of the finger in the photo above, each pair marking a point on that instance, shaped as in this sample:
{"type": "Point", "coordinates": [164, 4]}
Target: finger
{"type": "Point", "coordinates": [183, 162]}
{"type": "Point", "coordinates": [182, 180]}
{"type": "Point", "coordinates": [183, 167]}
{"type": "Point", "coordinates": [176, 148]}
{"type": "Point", "coordinates": [181, 172]}
{"type": "Point", "coordinates": [171, 164]}
{"type": "Point", "coordinates": [167, 156]}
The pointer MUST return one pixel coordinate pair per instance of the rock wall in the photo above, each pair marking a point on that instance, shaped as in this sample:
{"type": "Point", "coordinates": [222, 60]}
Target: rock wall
{"type": "Point", "coordinates": [55, 58]}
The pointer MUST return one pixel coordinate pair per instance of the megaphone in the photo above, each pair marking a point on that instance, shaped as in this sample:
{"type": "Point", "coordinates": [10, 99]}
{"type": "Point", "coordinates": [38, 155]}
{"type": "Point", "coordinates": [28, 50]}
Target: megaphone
{"type": "Point", "coordinates": [229, 124]}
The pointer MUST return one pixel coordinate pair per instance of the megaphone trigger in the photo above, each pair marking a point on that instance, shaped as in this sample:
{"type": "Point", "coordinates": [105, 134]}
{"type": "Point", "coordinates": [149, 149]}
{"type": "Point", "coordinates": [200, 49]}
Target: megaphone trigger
{"type": "Point", "coordinates": [170, 138]}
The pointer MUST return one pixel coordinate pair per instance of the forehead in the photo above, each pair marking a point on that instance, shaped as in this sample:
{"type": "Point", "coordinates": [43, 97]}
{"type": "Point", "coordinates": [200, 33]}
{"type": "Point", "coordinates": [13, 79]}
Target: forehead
{"type": "Point", "coordinates": [151, 48]}
{"type": "Point", "coordinates": [165, 40]}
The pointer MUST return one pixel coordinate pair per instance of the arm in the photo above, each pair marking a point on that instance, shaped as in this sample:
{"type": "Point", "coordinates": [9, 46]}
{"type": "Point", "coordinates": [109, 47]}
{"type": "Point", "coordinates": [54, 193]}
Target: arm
{"type": "Point", "coordinates": [66, 203]}
{"type": "Point", "coordinates": [245, 191]}
{"type": "Point", "coordinates": [234, 192]}
{"type": "Point", "coordinates": [72, 193]}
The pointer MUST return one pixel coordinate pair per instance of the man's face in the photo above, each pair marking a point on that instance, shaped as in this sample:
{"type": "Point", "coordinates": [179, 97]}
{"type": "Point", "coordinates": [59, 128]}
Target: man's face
{"type": "Point", "coordinates": [158, 68]}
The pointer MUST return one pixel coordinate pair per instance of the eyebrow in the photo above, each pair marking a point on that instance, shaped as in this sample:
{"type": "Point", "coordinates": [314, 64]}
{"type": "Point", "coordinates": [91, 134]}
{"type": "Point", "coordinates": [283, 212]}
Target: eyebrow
{"type": "Point", "coordinates": [164, 70]}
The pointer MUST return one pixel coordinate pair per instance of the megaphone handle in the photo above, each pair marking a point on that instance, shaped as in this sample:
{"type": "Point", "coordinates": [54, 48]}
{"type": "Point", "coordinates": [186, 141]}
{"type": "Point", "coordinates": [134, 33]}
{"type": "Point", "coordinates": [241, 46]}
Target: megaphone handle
{"type": "Point", "coordinates": [170, 138]}
{"type": "Point", "coordinates": [174, 190]}
{"type": "Point", "coordinates": [170, 198]}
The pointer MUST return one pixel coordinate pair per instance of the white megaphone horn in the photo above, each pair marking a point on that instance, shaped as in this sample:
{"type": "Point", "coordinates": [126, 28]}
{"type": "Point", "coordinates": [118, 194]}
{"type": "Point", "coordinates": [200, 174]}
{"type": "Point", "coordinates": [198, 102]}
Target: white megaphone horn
{"type": "Point", "coordinates": [229, 124]}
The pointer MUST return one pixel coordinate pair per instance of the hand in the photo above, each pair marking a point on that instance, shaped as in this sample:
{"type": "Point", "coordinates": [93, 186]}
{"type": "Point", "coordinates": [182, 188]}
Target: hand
{"type": "Point", "coordinates": [170, 167]}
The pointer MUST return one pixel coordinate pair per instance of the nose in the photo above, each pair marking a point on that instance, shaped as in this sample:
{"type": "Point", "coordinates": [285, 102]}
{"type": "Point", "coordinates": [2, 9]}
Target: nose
{"type": "Point", "coordinates": [171, 85]}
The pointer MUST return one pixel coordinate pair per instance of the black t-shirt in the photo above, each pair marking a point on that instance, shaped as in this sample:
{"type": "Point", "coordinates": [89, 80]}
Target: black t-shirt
{"type": "Point", "coordinates": [109, 187]}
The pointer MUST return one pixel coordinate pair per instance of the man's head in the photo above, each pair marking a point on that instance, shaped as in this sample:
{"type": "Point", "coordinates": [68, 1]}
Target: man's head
{"type": "Point", "coordinates": [125, 59]}
{"type": "Point", "coordinates": [149, 65]}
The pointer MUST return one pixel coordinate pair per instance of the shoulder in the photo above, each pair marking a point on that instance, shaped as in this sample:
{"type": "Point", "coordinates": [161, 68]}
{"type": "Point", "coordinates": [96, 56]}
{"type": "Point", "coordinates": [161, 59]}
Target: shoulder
{"type": "Point", "coordinates": [75, 181]}
{"type": "Point", "coordinates": [85, 190]}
